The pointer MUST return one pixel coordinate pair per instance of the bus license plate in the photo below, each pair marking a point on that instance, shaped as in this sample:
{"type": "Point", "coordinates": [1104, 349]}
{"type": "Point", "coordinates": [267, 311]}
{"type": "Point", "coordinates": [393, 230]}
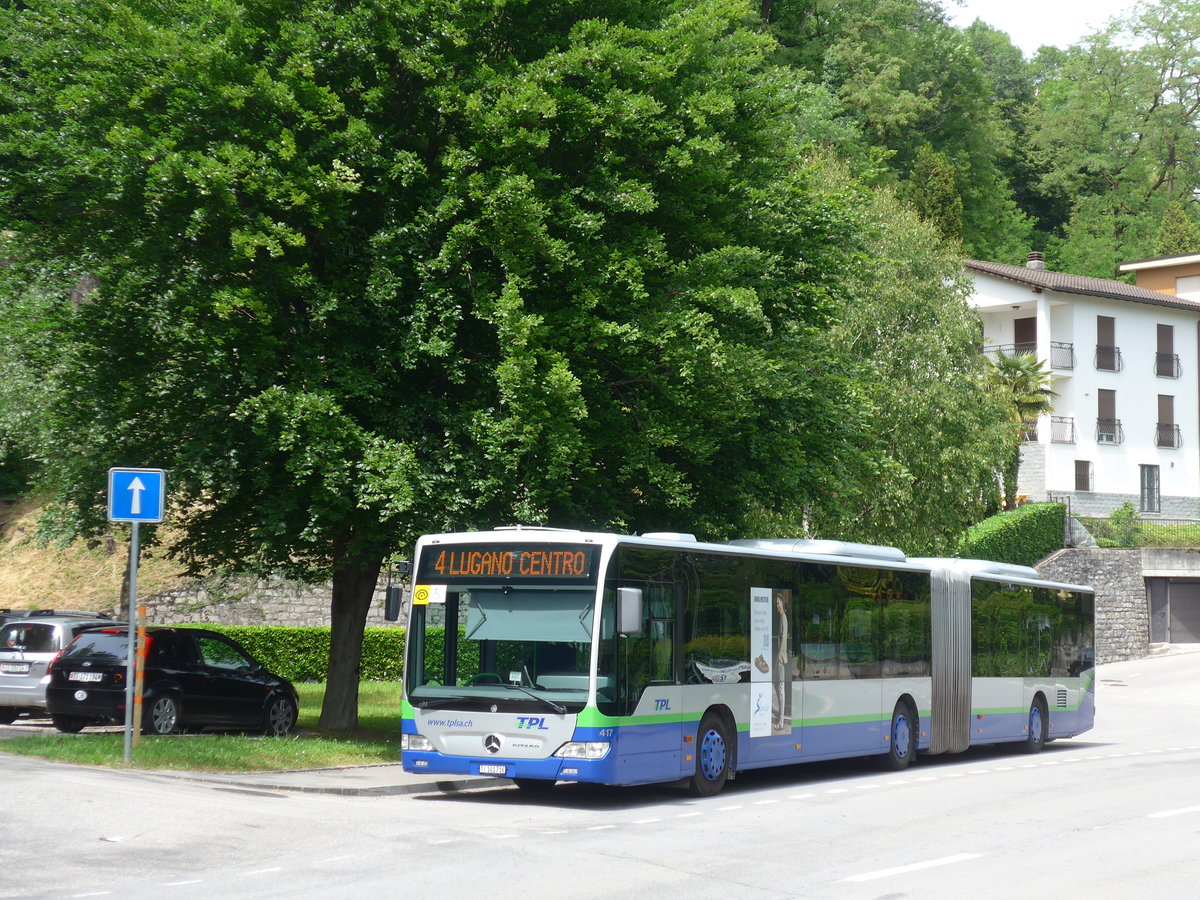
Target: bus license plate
{"type": "Point", "coordinates": [493, 770]}
{"type": "Point", "coordinates": [85, 676]}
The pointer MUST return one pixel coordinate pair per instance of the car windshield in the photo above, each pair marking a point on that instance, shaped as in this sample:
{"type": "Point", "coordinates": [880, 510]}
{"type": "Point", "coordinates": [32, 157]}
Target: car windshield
{"type": "Point", "coordinates": [99, 646]}
{"type": "Point", "coordinates": [511, 646]}
{"type": "Point", "coordinates": [28, 637]}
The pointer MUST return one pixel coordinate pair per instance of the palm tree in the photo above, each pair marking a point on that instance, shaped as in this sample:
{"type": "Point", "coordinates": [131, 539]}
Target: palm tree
{"type": "Point", "coordinates": [1026, 387]}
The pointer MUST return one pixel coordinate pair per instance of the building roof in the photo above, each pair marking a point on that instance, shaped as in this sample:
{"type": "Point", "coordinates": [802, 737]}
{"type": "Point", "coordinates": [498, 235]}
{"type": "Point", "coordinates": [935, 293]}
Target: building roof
{"type": "Point", "coordinates": [1043, 279]}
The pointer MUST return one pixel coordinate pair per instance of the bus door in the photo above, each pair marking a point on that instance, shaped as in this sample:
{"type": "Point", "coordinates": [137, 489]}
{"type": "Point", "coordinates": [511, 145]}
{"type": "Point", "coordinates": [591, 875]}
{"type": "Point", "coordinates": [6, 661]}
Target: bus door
{"type": "Point", "coordinates": [650, 696]}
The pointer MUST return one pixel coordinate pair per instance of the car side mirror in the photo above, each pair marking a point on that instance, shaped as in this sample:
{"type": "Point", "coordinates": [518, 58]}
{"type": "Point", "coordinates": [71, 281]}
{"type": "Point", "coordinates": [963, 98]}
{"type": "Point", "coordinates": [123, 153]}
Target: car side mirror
{"type": "Point", "coordinates": [629, 610]}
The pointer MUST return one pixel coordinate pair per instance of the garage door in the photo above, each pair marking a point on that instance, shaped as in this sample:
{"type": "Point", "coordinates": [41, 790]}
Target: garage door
{"type": "Point", "coordinates": [1185, 612]}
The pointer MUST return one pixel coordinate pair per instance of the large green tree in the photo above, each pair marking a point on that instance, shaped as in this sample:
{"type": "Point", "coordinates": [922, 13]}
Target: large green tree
{"type": "Point", "coordinates": [933, 435]}
{"type": "Point", "coordinates": [1115, 134]}
{"type": "Point", "coordinates": [912, 81]}
{"type": "Point", "coordinates": [366, 270]}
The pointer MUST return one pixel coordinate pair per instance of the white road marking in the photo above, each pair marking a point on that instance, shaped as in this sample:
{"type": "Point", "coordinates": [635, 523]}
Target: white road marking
{"type": "Point", "coordinates": [1187, 810]}
{"type": "Point", "coordinates": [914, 867]}
{"type": "Point", "coordinates": [184, 883]}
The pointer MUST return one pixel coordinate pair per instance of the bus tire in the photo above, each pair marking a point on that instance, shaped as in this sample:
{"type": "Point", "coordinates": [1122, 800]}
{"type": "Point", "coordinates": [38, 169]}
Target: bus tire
{"type": "Point", "coordinates": [902, 738]}
{"type": "Point", "coordinates": [713, 756]}
{"type": "Point", "coordinates": [1036, 726]}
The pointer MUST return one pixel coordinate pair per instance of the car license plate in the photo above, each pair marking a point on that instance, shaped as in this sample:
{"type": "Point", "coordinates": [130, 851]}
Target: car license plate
{"type": "Point", "coordinates": [85, 676]}
{"type": "Point", "coordinates": [493, 770]}
{"type": "Point", "coordinates": [14, 668]}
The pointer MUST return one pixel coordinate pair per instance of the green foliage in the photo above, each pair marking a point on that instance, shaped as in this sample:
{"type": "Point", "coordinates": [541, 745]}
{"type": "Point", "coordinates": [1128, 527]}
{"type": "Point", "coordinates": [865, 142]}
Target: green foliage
{"type": "Point", "coordinates": [934, 194]}
{"type": "Point", "coordinates": [302, 653]}
{"type": "Point", "coordinates": [1022, 536]}
{"type": "Point", "coordinates": [1178, 233]}
{"type": "Point", "coordinates": [910, 80]}
{"type": "Point", "coordinates": [930, 438]}
{"type": "Point", "coordinates": [382, 270]}
{"type": "Point", "coordinates": [1113, 132]}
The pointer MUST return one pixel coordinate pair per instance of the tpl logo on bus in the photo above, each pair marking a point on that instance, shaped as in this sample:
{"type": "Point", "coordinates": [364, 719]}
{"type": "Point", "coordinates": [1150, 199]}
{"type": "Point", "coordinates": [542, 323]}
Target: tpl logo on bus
{"type": "Point", "coordinates": [532, 723]}
{"type": "Point", "coordinates": [662, 705]}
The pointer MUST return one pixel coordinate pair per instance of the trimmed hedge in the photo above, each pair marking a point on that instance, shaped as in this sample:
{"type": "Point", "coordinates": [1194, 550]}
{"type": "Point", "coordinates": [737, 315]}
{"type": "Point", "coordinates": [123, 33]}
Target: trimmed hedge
{"type": "Point", "coordinates": [302, 654]}
{"type": "Point", "coordinates": [1023, 536]}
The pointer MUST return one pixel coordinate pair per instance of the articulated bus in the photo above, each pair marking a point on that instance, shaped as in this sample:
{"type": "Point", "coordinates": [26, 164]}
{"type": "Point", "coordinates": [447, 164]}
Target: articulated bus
{"type": "Point", "coordinates": [546, 655]}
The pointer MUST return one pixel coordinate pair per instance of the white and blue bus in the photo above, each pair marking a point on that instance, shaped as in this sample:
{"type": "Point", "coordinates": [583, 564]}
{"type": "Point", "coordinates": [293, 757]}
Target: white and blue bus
{"type": "Point", "coordinates": [547, 655]}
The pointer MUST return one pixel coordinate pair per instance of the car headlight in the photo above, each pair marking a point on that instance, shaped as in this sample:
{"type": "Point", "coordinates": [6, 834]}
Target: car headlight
{"type": "Point", "coordinates": [583, 750]}
{"type": "Point", "coordinates": [415, 742]}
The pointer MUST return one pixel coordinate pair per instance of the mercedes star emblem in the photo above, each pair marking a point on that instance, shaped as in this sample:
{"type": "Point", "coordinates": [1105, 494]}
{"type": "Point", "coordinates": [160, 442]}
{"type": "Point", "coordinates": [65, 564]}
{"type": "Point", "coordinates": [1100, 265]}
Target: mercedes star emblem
{"type": "Point", "coordinates": [492, 743]}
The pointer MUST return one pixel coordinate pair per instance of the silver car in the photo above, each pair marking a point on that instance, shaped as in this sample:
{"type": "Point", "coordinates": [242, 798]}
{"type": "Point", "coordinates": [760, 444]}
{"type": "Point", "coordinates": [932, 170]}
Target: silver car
{"type": "Point", "coordinates": [27, 647]}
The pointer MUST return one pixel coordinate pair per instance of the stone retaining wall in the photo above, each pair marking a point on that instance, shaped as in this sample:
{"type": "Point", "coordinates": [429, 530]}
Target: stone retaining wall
{"type": "Point", "coordinates": [249, 601]}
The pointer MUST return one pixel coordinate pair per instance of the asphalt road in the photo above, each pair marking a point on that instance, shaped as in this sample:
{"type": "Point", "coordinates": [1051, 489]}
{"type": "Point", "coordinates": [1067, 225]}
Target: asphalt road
{"type": "Point", "coordinates": [1113, 813]}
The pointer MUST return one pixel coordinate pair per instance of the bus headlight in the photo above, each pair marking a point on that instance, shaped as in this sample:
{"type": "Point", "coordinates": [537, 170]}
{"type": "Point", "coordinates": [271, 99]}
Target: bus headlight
{"type": "Point", "coordinates": [583, 750]}
{"type": "Point", "coordinates": [415, 742]}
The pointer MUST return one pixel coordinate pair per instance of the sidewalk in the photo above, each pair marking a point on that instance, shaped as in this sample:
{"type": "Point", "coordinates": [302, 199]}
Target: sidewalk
{"type": "Point", "coordinates": [364, 781]}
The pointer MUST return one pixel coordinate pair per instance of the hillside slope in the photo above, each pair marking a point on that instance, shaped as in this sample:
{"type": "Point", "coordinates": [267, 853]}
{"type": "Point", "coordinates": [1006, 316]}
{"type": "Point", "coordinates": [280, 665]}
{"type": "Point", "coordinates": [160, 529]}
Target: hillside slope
{"type": "Point", "coordinates": [75, 576]}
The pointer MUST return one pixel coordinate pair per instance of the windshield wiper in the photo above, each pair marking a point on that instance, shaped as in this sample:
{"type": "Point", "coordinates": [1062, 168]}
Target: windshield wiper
{"type": "Point", "coordinates": [557, 707]}
{"type": "Point", "coordinates": [434, 704]}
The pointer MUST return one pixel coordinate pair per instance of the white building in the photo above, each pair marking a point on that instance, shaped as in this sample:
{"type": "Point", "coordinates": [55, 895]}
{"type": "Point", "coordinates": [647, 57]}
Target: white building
{"type": "Point", "coordinates": [1125, 362]}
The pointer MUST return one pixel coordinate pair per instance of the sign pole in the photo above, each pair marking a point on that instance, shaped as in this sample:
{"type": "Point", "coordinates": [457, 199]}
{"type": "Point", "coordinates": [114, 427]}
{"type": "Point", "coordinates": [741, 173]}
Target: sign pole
{"type": "Point", "coordinates": [129, 669]}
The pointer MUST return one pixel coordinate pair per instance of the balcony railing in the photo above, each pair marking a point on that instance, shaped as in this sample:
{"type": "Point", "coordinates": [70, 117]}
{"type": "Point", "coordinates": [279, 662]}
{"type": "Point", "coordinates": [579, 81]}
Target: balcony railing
{"type": "Point", "coordinates": [994, 350]}
{"type": "Point", "coordinates": [1166, 365]}
{"type": "Point", "coordinates": [1168, 435]}
{"type": "Point", "coordinates": [1062, 429]}
{"type": "Point", "coordinates": [1109, 431]}
{"type": "Point", "coordinates": [1108, 359]}
{"type": "Point", "coordinates": [1062, 356]}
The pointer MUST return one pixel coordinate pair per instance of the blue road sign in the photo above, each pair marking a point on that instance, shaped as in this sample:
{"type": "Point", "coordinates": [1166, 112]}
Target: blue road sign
{"type": "Point", "coordinates": [136, 495]}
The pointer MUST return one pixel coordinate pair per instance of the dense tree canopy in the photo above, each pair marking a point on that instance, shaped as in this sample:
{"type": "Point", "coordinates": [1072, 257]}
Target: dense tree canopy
{"type": "Point", "coordinates": [353, 272]}
{"type": "Point", "coordinates": [369, 270]}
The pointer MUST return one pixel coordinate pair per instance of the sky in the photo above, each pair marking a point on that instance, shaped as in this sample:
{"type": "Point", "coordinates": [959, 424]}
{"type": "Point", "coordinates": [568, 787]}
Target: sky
{"type": "Point", "coordinates": [1032, 23]}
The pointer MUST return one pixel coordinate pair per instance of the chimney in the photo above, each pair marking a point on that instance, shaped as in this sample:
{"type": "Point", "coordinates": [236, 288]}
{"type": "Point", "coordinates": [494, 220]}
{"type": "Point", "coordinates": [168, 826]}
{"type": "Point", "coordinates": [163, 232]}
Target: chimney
{"type": "Point", "coordinates": [1035, 261]}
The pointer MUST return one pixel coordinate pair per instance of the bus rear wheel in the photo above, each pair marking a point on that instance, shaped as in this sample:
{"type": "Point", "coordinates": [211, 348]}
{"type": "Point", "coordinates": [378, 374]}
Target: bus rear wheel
{"type": "Point", "coordinates": [902, 739]}
{"type": "Point", "coordinates": [1038, 725]}
{"type": "Point", "coordinates": [713, 757]}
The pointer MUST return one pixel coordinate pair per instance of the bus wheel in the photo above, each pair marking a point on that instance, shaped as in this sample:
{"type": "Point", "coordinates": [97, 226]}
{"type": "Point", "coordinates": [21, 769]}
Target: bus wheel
{"type": "Point", "coordinates": [712, 757]}
{"type": "Point", "coordinates": [1039, 724]}
{"type": "Point", "coordinates": [902, 739]}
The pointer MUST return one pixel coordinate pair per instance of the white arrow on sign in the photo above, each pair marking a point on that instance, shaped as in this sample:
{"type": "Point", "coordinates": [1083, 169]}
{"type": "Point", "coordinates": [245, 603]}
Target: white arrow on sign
{"type": "Point", "coordinates": [135, 503]}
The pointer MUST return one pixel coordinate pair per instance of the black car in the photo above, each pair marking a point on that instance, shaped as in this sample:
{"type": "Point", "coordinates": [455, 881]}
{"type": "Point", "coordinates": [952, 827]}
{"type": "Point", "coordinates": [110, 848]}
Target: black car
{"type": "Point", "coordinates": [194, 679]}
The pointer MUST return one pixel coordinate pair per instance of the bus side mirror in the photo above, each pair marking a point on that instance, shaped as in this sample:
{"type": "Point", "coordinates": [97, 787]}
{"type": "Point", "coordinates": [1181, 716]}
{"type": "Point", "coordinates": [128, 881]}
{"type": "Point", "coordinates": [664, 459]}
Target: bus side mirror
{"type": "Point", "coordinates": [391, 604]}
{"type": "Point", "coordinates": [629, 610]}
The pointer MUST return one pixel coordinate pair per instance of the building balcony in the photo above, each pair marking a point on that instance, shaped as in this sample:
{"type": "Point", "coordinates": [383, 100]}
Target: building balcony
{"type": "Point", "coordinates": [1062, 429]}
{"type": "Point", "coordinates": [1062, 355]}
{"type": "Point", "coordinates": [1166, 365]}
{"type": "Point", "coordinates": [1168, 435]}
{"type": "Point", "coordinates": [1109, 431]}
{"type": "Point", "coordinates": [1108, 359]}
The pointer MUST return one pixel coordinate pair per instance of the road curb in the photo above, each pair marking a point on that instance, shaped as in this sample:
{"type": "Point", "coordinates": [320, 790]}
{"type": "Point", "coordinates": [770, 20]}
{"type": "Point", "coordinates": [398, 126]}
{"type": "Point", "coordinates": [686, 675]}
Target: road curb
{"type": "Point", "coordinates": [385, 790]}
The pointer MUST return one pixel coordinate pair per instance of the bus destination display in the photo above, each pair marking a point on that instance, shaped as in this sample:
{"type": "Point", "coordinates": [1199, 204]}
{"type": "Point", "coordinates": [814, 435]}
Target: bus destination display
{"type": "Point", "coordinates": [525, 562]}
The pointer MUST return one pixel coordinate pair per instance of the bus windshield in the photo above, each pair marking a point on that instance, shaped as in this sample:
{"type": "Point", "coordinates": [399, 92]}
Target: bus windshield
{"type": "Point", "coordinates": [502, 645]}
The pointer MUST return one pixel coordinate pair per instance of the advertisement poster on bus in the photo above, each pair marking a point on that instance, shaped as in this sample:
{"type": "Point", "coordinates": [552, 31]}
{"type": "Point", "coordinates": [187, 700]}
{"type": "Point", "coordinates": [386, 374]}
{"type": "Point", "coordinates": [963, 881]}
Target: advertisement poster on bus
{"type": "Point", "coordinates": [760, 662]}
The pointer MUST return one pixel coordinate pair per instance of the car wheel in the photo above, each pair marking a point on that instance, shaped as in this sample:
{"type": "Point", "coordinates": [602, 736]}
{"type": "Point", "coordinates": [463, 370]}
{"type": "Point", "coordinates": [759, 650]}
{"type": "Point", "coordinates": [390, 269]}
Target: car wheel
{"type": "Point", "coordinates": [279, 717]}
{"type": "Point", "coordinates": [8, 715]}
{"type": "Point", "coordinates": [162, 715]}
{"type": "Point", "coordinates": [69, 724]}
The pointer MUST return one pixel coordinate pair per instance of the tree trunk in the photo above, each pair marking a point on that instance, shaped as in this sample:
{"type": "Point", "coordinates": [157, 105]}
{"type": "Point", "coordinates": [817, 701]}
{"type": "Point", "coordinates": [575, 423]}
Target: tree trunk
{"type": "Point", "coordinates": [1013, 470]}
{"type": "Point", "coordinates": [354, 578]}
